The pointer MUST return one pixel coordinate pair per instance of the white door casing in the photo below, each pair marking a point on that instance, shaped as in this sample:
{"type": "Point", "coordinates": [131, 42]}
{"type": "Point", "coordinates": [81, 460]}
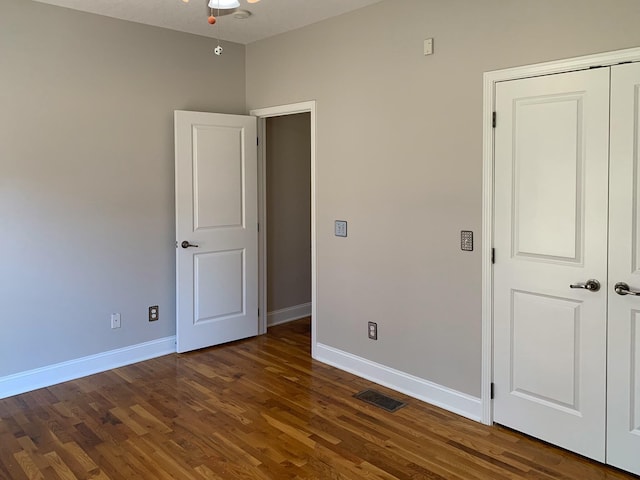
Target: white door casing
{"type": "Point", "coordinates": [216, 209]}
{"type": "Point", "coordinates": [262, 114]}
{"type": "Point", "coordinates": [550, 231]}
{"type": "Point", "coordinates": [623, 391]}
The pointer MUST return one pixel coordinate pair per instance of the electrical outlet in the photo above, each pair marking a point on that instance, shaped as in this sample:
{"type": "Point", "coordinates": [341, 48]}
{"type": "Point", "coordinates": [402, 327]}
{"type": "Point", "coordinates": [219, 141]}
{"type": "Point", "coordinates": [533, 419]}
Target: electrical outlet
{"type": "Point", "coordinates": [373, 331]}
{"type": "Point", "coordinates": [115, 320]}
{"type": "Point", "coordinates": [154, 313]}
{"type": "Point", "coordinates": [341, 228]}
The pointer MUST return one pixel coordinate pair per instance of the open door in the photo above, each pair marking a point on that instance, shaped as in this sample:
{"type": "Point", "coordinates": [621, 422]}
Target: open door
{"type": "Point", "coordinates": [216, 229]}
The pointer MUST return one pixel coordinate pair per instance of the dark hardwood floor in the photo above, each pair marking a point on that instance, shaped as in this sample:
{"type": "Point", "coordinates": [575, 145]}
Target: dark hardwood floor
{"type": "Point", "coordinates": [256, 409]}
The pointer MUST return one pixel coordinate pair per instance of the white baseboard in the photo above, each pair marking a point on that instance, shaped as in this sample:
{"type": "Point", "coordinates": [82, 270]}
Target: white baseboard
{"type": "Point", "coordinates": [443, 397]}
{"type": "Point", "coordinates": [288, 314]}
{"type": "Point", "coordinates": [81, 367]}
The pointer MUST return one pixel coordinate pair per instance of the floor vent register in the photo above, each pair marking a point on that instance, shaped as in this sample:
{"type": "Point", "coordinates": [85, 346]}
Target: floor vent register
{"type": "Point", "coordinates": [380, 400]}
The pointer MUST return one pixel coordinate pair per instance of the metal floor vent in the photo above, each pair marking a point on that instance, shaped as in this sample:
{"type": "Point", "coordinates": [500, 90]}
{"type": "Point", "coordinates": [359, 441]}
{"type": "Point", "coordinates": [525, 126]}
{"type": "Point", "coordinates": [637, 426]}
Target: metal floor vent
{"type": "Point", "coordinates": [380, 400]}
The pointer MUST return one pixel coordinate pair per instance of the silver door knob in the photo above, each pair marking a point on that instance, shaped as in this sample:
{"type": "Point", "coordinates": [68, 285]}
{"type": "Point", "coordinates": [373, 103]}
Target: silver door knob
{"type": "Point", "coordinates": [622, 288]}
{"type": "Point", "coordinates": [592, 285]}
{"type": "Point", "coordinates": [186, 244]}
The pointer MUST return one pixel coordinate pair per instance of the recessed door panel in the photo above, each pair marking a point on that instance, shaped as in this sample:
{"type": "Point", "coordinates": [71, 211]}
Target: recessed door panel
{"type": "Point", "coordinates": [634, 154]}
{"type": "Point", "coordinates": [634, 380]}
{"type": "Point", "coordinates": [545, 368]}
{"type": "Point", "coordinates": [217, 176]}
{"type": "Point", "coordinates": [548, 159]}
{"type": "Point", "coordinates": [219, 278]}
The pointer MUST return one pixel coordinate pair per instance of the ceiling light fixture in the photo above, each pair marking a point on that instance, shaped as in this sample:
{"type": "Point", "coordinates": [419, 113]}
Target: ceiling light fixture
{"type": "Point", "coordinates": [223, 4]}
{"type": "Point", "coordinates": [220, 5]}
{"type": "Point", "coordinates": [229, 6]}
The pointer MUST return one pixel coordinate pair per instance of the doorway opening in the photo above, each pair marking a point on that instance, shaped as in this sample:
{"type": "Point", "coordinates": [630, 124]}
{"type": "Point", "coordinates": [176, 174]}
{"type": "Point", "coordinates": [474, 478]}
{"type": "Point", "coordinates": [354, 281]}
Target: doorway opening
{"type": "Point", "coordinates": [288, 217]}
{"type": "Point", "coordinates": [286, 195]}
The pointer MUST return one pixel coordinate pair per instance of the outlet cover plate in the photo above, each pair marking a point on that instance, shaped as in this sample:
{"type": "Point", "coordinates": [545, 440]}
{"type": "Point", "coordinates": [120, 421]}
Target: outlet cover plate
{"type": "Point", "coordinates": [154, 313]}
{"type": "Point", "coordinates": [373, 330]}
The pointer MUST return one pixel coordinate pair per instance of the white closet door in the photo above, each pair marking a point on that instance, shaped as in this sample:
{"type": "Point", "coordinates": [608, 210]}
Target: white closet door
{"type": "Point", "coordinates": [551, 164]}
{"type": "Point", "coordinates": [623, 395]}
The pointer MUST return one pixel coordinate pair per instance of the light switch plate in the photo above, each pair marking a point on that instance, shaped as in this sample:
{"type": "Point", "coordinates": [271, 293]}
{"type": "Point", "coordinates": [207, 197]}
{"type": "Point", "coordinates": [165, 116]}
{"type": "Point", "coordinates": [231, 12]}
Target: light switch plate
{"type": "Point", "coordinates": [466, 240]}
{"type": "Point", "coordinates": [341, 228]}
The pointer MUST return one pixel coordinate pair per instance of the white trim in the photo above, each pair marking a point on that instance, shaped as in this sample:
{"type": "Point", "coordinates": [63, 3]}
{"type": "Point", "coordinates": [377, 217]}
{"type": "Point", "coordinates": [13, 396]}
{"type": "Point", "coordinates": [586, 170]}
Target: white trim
{"type": "Point", "coordinates": [443, 397]}
{"type": "Point", "coordinates": [263, 227]}
{"type": "Point", "coordinates": [263, 114]}
{"type": "Point", "coordinates": [490, 80]}
{"type": "Point", "coordinates": [288, 314]}
{"type": "Point", "coordinates": [487, 241]}
{"type": "Point", "coordinates": [81, 367]}
{"type": "Point", "coordinates": [279, 110]}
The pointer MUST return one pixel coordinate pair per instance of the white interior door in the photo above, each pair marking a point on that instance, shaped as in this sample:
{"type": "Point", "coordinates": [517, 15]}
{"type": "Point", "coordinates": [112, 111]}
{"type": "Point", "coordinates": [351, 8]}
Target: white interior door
{"type": "Point", "coordinates": [551, 170]}
{"type": "Point", "coordinates": [623, 394]}
{"type": "Point", "coordinates": [216, 229]}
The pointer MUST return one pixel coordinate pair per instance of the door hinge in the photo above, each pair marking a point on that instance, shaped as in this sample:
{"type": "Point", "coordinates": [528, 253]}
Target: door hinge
{"type": "Point", "coordinates": [493, 255]}
{"type": "Point", "coordinates": [257, 140]}
{"type": "Point", "coordinates": [493, 390]}
{"type": "Point", "coordinates": [259, 315]}
{"type": "Point", "coordinates": [494, 119]}
{"type": "Point", "coordinates": [258, 227]}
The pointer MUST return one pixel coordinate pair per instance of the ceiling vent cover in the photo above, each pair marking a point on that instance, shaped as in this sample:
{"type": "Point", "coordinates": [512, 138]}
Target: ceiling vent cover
{"type": "Point", "coordinates": [241, 14]}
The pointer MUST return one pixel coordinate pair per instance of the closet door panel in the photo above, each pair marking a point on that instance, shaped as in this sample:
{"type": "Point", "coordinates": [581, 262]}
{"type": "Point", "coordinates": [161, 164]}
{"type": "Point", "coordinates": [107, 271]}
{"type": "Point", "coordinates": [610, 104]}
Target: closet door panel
{"type": "Point", "coordinates": [550, 232]}
{"type": "Point", "coordinates": [623, 386]}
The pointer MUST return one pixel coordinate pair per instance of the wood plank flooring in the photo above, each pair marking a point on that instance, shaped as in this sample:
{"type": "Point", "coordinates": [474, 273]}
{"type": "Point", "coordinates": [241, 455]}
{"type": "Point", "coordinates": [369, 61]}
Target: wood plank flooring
{"type": "Point", "coordinates": [256, 409]}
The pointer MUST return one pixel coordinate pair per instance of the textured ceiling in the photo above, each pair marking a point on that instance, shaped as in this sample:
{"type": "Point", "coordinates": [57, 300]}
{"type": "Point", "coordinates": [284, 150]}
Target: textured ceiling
{"type": "Point", "coordinates": [269, 17]}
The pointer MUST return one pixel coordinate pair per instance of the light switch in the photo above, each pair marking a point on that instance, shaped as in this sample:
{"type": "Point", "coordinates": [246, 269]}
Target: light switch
{"type": "Point", "coordinates": [341, 228]}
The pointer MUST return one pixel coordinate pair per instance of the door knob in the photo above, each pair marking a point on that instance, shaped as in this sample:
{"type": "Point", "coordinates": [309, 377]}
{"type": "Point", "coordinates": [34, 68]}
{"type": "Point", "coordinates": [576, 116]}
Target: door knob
{"type": "Point", "coordinates": [622, 288]}
{"type": "Point", "coordinates": [592, 285]}
{"type": "Point", "coordinates": [186, 244]}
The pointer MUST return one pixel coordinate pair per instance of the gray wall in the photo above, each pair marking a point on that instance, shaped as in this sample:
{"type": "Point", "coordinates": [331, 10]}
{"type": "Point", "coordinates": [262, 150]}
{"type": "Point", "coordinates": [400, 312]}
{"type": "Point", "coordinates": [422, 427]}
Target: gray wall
{"type": "Point", "coordinates": [86, 175]}
{"type": "Point", "coordinates": [400, 157]}
{"type": "Point", "coordinates": [288, 149]}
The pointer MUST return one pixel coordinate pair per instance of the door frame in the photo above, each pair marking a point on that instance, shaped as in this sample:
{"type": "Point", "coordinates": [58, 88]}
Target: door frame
{"type": "Point", "coordinates": [489, 87]}
{"type": "Point", "coordinates": [262, 114]}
